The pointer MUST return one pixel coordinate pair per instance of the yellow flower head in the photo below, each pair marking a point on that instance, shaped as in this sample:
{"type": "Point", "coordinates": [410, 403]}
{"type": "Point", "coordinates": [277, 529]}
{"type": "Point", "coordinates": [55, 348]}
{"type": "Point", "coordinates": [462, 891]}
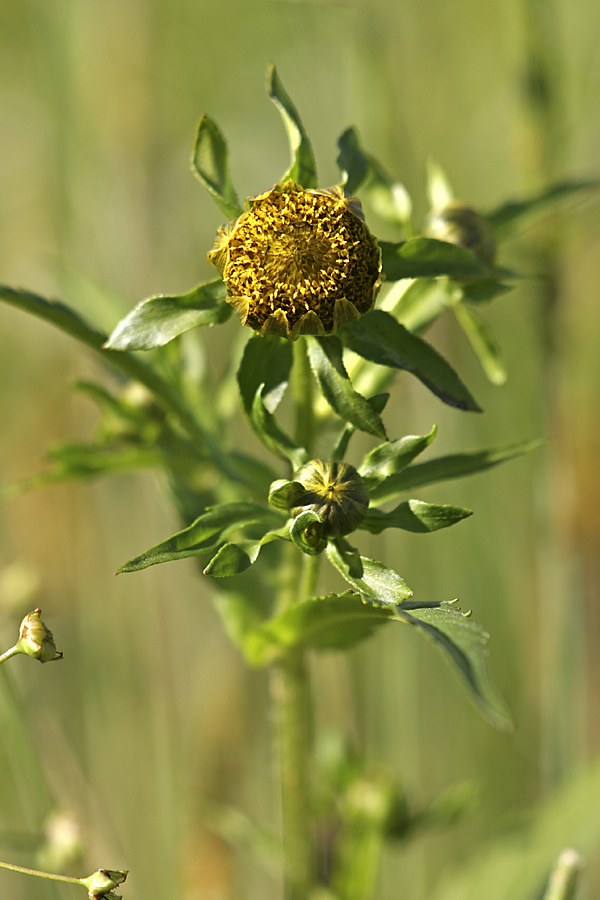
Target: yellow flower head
{"type": "Point", "coordinates": [299, 262]}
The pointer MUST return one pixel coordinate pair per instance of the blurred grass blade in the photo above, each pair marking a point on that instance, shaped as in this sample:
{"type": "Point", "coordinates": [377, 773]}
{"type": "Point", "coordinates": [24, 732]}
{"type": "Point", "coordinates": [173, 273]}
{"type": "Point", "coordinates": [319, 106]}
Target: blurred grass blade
{"type": "Point", "coordinates": [424, 257]}
{"type": "Point", "coordinates": [445, 468]}
{"type": "Point", "coordinates": [507, 217]}
{"type": "Point", "coordinates": [210, 164]}
{"type": "Point", "coordinates": [303, 169]}
{"type": "Point", "coordinates": [564, 877]}
{"type": "Point", "coordinates": [379, 338]}
{"type": "Point", "coordinates": [414, 515]}
{"type": "Point", "coordinates": [334, 622]}
{"type": "Point", "coordinates": [156, 321]}
{"type": "Point", "coordinates": [483, 342]}
{"type": "Point", "coordinates": [325, 357]}
{"type": "Point", "coordinates": [203, 535]}
{"type": "Point", "coordinates": [370, 578]}
{"type": "Point", "coordinates": [464, 643]}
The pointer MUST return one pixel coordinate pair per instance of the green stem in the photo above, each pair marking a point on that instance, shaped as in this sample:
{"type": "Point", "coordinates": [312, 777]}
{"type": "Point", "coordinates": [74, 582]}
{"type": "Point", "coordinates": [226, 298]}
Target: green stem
{"type": "Point", "coordinates": [48, 875]}
{"type": "Point", "coordinates": [290, 683]}
{"type": "Point", "coordinates": [8, 654]}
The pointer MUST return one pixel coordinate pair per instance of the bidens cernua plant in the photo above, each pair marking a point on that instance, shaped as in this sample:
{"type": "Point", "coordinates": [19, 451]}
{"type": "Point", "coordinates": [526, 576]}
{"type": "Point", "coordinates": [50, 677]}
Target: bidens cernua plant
{"type": "Point", "coordinates": [335, 315]}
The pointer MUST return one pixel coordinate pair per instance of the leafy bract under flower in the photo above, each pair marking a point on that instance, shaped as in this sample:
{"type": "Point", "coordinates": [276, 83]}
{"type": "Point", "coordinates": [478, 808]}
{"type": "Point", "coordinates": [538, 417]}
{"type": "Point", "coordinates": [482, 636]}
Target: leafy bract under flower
{"type": "Point", "coordinates": [299, 262]}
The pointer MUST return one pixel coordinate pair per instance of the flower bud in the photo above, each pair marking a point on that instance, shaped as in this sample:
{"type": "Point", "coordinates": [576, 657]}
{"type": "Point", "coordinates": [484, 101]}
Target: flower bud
{"type": "Point", "coordinates": [101, 883]}
{"type": "Point", "coordinates": [335, 492]}
{"type": "Point", "coordinates": [461, 225]}
{"type": "Point", "coordinates": [36, 640]}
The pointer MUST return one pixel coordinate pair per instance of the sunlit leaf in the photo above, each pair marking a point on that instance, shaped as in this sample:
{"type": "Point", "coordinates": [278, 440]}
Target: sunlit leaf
{"type": "Point", "coordinates": [423, 257]}
{"type": "Point", "coordinates": [210, 163]}
{"type": "Point", "coordinates": [157, 320]}
{"type": "Point", "coordinates": [203, 535]}
{"type": "Point", "coordinates": [237, 556]}
{"type": "Point", "coordinates": [334, 622]}
{"type": "Point", "coordinates": [377, 404]}
{"type": "Point", "coordinates": [421, 303]}
{"type": "Point", "coordinates": [372, 580]}
{"type": "Point", "coordinates": [445, 468]}
{"type": "Point", "coordinates": [464, 643]}
{"type": "Point", "coordinates": [379, 338]}
{"type": "Point", "coordinates": [414, 515]}
{"type": "Point", "coordinates": [483, 342]}
{"type": "Point", "coordinates": [393, 456]}
{"type": "Point", "coordinates": [325, 355]}
{"type": "Point", "coordinates": [303, 169]}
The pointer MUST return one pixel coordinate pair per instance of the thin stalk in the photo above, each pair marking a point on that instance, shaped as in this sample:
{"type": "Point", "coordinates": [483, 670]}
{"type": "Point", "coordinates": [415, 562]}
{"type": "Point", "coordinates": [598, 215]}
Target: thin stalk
{"type": "Point", "coordinates": [8, 654]}
{"type": "Point", "coordinates": [50, 876]}
{"type": "Point", "coordinates": [290, 682]}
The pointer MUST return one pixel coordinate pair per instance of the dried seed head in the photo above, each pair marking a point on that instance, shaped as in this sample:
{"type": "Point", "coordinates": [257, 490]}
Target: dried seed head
{"type": "Point", "coordinates": [335, 492]}
{"type": "Point", "coordinates": [459, 224]}
{"type": "Point", "coordinates": [299, 262]}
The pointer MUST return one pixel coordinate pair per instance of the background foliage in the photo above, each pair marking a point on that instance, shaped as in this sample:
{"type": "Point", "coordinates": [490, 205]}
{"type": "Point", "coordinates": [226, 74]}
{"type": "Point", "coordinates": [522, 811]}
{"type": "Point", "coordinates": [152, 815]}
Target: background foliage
{"type": "Point", "coordinates": [98, 103]}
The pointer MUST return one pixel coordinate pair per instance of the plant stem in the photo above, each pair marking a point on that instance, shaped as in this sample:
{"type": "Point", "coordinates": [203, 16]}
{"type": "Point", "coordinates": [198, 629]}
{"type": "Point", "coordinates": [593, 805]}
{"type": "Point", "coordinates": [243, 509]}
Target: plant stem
{"type": "Point", "coordinates": [290, 684]}
{"type": "Point", "coordinates": [8, 654]}
{"type": "Point", "coordinates": [51, 876]}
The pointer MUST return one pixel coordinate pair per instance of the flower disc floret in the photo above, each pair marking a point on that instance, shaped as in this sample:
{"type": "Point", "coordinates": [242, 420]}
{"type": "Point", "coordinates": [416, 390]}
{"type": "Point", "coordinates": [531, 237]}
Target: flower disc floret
{"type": "Point", "coordinates": [299, 262]}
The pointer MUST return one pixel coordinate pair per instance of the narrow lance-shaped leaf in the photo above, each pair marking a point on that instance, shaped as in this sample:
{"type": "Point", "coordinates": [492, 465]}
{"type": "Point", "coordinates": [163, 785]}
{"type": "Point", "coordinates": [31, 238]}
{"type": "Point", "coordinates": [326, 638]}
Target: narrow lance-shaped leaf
{"type": "Point", "coordinates": [157, 320]}
{"type": "Point", "coordinates": [210, 164]}
{"type": "Point", "coordinates": [203, 535]}
{"type": "Point", "coordinates": [414, 515]}
{"type": "Point", "coordinates": [379, 338]}
{"type": "Point", "coordinates": [445, 468]}
{"type": "Point", "coordinates": [334, 622]}
{"type": "Point", "coordinates": [303, 169]}
{"type": "Point", "coordinates": [237, 556]}
{"type": "Point", "coordinates": [272, 435]}
{"type": "Point", "coordinates": [268, 361]}
{"type": "Point", "coordinates": [423, 257]}
{"type": "Point", "coordinates": [373, 580]}
{"type": "Point", "coordinates": [325, 357]}
{"type": "Point", "coordinates": [506, 217]}
{"type": "Point", "coordinates": [483, 342]}
{"type": "Point", "coordinates": [377, 403]}
{"type": "Point", "coordinates": [393, 456]}
{"type": "Point", "coordinates": [464, 643]}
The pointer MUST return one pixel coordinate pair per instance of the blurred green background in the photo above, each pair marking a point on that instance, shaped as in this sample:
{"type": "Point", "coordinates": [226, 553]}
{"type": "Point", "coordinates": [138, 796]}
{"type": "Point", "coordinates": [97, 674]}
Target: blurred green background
{"type": "Point", "coordinates": [152, 719]}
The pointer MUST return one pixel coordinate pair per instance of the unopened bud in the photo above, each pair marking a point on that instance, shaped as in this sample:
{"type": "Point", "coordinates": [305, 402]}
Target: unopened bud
{"type": "Point", "coordinates": [101, 883]}
{"type": "Point", "coordinates": [335, 492]}
{"type": "Point", "coordinates": [35, 638]}
{"type": "Point", "coordinates": [460, 224]}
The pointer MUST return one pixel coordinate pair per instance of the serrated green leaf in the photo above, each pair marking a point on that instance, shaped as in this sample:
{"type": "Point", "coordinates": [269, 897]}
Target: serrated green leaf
{"type": "Point", "coordinates": [445, 468]}
{"type": "Point", "coordinates": [414, 515]}
{"type": "Point", "coordinates": [464, 643]}
{"type": "Point", "coordinates": [325, 355]}
{"type": "Point", "coordinates": [272, 435]}
{"type": "Point", "coordinates": [373, 580]}
{"type": "Point", "coordinates": [237, 556]}
{"type": "Point", "coordinates": [423, 257]}
{"type": "Point", "coordinates": [379, 338]}
{"type": "Point", "coordinates": [351, 161]}
{"type": "Point", "coordinates": [377, 404]}
{"type": "Point", "coordinates": [210, 164]}
{"type": "Point", "coordinates": [508, 215]}
{"type": "Point", "coordinates": [266, 361]}
{"type": "Point", "coordinates": [393, 456]}
{"type": "Point", "coordinates": [203, 535]}
{"type": "Point", "coordinates": [156, 321]}
{"type": "Point", "coordinates": [483, 342]}
{"type": "Point", "coordinates": [303, 168]}
{"type": "Point", "coordinates": [334, 622]}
